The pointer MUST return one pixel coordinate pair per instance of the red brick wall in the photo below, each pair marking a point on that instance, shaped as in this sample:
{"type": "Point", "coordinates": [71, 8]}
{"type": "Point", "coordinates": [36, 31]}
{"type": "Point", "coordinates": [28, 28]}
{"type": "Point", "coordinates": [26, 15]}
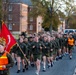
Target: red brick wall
{"type": "Point", "coordinates": [31, 23]}
{"type": "Point", "coordinates": [15, 17]}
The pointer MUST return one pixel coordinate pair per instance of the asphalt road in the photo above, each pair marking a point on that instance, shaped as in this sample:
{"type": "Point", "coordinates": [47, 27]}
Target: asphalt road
{"type": "Point", "coordinates": [61, 67]}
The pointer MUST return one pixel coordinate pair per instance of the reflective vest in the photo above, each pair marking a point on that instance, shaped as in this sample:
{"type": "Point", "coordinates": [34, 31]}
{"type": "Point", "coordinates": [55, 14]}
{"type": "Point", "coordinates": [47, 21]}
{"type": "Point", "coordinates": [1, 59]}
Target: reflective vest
{"type": "Point", "coordinates": [70, 41]}
{"type": "Point", "coordinates": [3, 61]}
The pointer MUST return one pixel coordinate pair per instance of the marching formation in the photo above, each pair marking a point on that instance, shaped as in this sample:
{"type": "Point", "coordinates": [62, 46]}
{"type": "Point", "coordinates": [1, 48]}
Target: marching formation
{"type": "Point", "coordinates": [42, 48]}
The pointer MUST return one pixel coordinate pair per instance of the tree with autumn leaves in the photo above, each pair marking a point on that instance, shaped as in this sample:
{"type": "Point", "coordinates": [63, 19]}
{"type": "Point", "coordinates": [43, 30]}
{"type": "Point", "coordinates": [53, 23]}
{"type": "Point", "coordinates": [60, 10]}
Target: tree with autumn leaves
{"type": "Point", "coordinates": [4, 9]}
{"type": "Point", "coordinates": [52, 11]}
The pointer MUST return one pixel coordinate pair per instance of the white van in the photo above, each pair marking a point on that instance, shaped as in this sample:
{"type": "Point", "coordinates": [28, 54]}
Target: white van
{"type": "Point", "coordinates": [69, 31]}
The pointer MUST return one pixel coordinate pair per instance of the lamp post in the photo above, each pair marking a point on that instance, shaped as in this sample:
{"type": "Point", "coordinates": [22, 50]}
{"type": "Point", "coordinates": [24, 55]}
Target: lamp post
{"type": "Point", "coordinates": [62, 20]}
{"type": "Point", "coordinates": [38, 27]}
{"type": "Point", "coordinates": [51, 10]}
{"type": "Point", "coordinates": [62, 25]}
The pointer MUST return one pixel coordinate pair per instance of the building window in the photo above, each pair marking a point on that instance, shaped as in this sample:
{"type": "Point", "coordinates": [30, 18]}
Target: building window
{"type": "Point", "coordinates": [24, 17]}
{"type": "Point", "coordinates": [10, 7]}
{"type": "Point", "coordinates": [10, 17]}
{"type": "Point", "coordinates": [31, 7]}
{"type": "Point", "coordinates": [10, 26]}
{"type": "Point", "coordinates": [31, 27]}
{"type": "Point", "coordinates": [31, 19]}
{"type": "Point", "coordinates": [24, 9]}
{"type": "Point", "coordinates": [4, 1]}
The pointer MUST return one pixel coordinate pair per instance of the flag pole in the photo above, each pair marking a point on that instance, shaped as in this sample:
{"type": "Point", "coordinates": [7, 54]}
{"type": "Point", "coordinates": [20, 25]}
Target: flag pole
{"type": "Point", "coordinates": [23, 53]}
{"type": "Point", "coordinates": [8, 37]}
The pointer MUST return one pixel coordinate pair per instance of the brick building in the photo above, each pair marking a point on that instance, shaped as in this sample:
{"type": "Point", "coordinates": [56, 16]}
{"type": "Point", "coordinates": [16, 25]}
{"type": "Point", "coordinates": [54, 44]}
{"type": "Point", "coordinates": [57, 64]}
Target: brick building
{"type": "Point", "coordinates": [18, 20]}
{"type": "Point", "coordinates": [34, 24]}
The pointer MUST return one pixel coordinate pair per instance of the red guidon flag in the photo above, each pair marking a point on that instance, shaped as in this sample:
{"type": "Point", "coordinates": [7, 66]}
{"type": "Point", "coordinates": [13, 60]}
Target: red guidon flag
{"type": "Point", "coordinates": [10, 41]}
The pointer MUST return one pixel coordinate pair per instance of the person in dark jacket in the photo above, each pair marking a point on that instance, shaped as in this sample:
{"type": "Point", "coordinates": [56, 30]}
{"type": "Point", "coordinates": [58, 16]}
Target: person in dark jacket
{"type": "Point", "coordinates": [45, 51]}
{"type": "Point", "coordinates": [36, 51]}
{"type": "Point", "coordinates": [21, 54]}
{"type": "Point", "coordinates": [65, 44]}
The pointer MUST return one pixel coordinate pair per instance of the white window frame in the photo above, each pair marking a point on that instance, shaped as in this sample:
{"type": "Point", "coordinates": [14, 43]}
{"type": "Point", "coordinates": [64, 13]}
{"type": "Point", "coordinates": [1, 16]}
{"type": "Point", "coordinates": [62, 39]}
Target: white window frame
{"type": "Point", "coordinates": [10, 26]}
{"type": "Point", "coordinates": [10, 17]}
{"type": "Point", "coordinates": [31, 19]}
{"type": "Point", "coordinates": [31, 27]}
{"type": "Point", "coordinates": [10, 7]}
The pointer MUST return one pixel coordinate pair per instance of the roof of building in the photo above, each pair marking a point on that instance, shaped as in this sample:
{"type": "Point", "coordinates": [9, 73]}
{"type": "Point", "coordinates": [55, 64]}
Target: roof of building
{"type": "Point", "coordinates": [28, 2]}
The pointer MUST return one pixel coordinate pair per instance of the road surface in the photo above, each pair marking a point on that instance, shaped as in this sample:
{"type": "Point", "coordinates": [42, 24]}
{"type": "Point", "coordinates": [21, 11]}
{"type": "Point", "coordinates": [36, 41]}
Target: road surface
{"type": "Point", "coordinates": [61, 67]}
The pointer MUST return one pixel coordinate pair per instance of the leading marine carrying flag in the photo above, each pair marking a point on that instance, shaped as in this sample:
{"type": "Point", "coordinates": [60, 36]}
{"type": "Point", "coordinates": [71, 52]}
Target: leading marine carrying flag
{"type": "Point", "coordinates": [10, 41]}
